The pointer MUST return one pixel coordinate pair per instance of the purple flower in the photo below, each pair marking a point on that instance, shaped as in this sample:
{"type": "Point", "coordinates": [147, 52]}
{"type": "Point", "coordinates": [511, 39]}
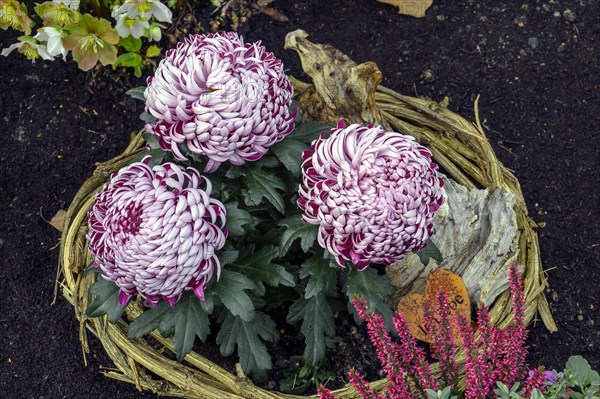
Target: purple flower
{"type": "Point", "coordinates": [216, 96]}
{"type": "Point", "coordinates": [550, 376]}
{"type": "Point", "coordinates": [373, 194]}
{"type": "Point", "coordinates": [154, 231]}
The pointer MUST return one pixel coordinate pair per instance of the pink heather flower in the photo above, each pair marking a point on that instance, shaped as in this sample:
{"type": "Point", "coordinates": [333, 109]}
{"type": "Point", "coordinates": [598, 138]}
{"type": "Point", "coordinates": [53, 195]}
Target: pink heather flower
{"type": "Point", "coordinates": [373, 194]}
{"type": "Point", "coordinates": [216, 96]}
{"type": "Point", "coordinates": [154, 231]}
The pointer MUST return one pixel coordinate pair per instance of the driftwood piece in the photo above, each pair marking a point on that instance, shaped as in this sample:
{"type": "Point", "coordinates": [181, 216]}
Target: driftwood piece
{"type": "Point", "coordinates": [341, 88]}
{"type": "Point", "coordinates": [478, 237]}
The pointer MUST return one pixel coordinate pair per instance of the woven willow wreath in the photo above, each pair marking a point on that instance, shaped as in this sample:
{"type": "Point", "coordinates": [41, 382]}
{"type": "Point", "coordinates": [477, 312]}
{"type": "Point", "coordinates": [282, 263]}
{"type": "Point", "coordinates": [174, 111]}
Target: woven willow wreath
{"type": "Point", "coordinates": [458, 146]}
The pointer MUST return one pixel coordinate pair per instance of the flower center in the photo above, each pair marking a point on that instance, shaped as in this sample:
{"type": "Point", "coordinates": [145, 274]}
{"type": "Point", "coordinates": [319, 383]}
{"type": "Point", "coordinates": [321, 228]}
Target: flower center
{"type": "Point", "coordinates": [130, 223]}
{"type": "Point", "coordinates": [90, 43]}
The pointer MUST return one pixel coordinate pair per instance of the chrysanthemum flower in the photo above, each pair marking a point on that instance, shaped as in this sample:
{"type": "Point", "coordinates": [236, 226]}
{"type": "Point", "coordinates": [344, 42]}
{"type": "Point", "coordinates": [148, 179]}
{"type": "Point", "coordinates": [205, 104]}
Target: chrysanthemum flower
{"type": "Point", "coordinates": [372, 193]}
{"type": "Point", "coordinates": [216, 96]}
{"type": "Point", "coordinates": [154, 231]}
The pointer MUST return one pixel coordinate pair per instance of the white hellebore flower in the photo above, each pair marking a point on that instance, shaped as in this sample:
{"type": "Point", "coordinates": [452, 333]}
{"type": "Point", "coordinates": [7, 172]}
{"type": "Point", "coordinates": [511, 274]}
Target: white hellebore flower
{"type": "Point", "coordinates": [30, 48]}
{"type": "Point", "coordinates": [72, 4]}
{"type": "Point", "coordinates": [144, 10]}
{"type": "Point", "coordinates": [159, 11]}
{"type": "Point", "coordinates": [53, 38]}
{"type": "Point", "coordinates": [131, 26]}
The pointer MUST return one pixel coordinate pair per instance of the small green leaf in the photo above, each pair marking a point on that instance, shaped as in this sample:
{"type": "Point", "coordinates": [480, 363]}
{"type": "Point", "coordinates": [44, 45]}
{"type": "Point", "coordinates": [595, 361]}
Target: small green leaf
{"type": "Point", "coordinates": [373, 288]}
{"type": "Point", "coordinates": [322, 277]}
{"type": "Point", "coordinates": [131, 44]}
{"type": "Point", "coordinates": [289, 153]}
{"type": "Point", "coordinates": [150, 140]}
{"type": "Point", "coordinates": [263, 184]}
{"type": "Point", "coordinates": [580, 369]}
{"type": "Point", "coordinates": [186, 321]}
{"type": "Point", "coordinates": [296, 228]}
{"type": "Point", "coordinates": [252, 352]}
{"type": "Point", "coordinates": [237, 218]}
{"type": "Point", "coordinates": [308, 131]}
{"type": "Point", "coordinates": [153, 51]}
{"type": "Point", "coordinates": [146, 117]}
{"type": "Point", "coordinates": [430, 251]}
{"type": "Point", "coordinates": [148, 321]}
{"type": "Point", "coordinates": [317, 323]}
{"type": "Point", "coordinates": [231, 290]}
{"type": "Point", "coordinates": [129, 60]}
{"type": "Point", "coordinates": [106, 301]}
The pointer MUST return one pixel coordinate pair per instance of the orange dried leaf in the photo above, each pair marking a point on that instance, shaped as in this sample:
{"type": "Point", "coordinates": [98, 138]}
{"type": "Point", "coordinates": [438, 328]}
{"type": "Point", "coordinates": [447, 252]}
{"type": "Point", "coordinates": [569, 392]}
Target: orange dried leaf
{"type": "Point", "coordinates": [414, 8]}
{"type": "Point", "coordinates": [412, 306]}
{"type": "Point", "coordinates": [454, 287]}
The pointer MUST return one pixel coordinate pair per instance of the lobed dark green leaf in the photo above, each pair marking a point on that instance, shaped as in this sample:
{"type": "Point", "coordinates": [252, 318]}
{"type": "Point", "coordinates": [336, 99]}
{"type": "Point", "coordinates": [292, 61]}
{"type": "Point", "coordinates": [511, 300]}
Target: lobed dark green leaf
{"type": "Point", "coordinates": [263, 184]}
{"type": "Point", "coordinates": [248, 337]}
{"type": "Point", "coordinates": [317, 322]}
{"type": "Point", "coordinates": [308, 131]}
{"type": "Point", "coordinates": [430, 251]}
{"type": "Point", "coordinates": [186, 321]}
{"type": "Point", "coordinates": [231, 290]}
{"type": "Point", "coordinates": [321, 276]}
{"type": "Point", "coordinates": [295, 228]}
{"type": "Point", "coordinates": [148, 321]}
{"type": "Point", "coordinates": [237, 218]}
{"type": "Point", "coordinates": [106, 301]}
{"type": "Point", "coordinates": [258, 267]}
{"type": "Point", "coordinates": [373, 288]}
{"type": "Point", "coordinates": [289, 152]}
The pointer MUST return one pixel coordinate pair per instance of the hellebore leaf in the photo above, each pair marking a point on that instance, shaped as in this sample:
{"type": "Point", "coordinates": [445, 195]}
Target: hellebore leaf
{"type": "Point", "coordinates": [153, 51]}
{"type": "Point", "coordinates": [130, 43]}
{"type": "Point", "coordinates": [296, 228]}
{"type": "Point", "coordinates": [237, 218]}
{"type": "Point", "coordinates": [231, 290]}
{"type": "Point", "coordinates": [248, 337]}
{"type": "Point", "coordinates": [289, 153]}
{"type": "Point", "coordinates": [373, 288]}
{"type": "Point", "coordinates": [262, 184]}
{"type": "Point", "coordinates": [322, 277]}
{"type": "Point", "coordinates": [128, 60]}
{"type": "Point", "coordinates": [186, 321]}
{"type": "Point", "coordinates": [317, 324]}
{"type": "Point", "coordinates": [106, 301]}
{"type": "Point", "coordinates": [148, 321]}
{"type": "Point", "coordinates": [257, 266]}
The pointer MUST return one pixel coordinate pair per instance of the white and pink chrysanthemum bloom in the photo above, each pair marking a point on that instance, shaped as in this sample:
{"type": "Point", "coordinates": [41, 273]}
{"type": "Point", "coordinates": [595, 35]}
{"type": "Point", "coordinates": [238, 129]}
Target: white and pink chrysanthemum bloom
{"type": "Point", "coordinates": [372, 193]}
{"type": "Point", "coordinates": [154, 232]}
{"type": "Point", "coordinates": [219, 97]}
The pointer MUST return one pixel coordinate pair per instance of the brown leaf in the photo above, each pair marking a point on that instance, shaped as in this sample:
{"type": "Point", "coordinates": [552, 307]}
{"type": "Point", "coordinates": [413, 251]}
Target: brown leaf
{"type": "Point", "coordinates": [58, 220]}
{"type": "Point", "coordinates": [414, 8]}
{"type": "Point", "coordinates": [274, 14]}
{"type": "Point", "coordinates": [412, 306]}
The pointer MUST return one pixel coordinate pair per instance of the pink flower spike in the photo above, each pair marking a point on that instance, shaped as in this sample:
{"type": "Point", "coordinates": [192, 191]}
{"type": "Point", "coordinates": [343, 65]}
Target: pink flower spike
{"type": "Point", "coordinates": [154, 231]}
{"type": "Point", "coordinates": [372, 193]}
{"type": "Point", "coordinates": [324, 393]}
{"type": "Point", "coordinates": [219, 97]}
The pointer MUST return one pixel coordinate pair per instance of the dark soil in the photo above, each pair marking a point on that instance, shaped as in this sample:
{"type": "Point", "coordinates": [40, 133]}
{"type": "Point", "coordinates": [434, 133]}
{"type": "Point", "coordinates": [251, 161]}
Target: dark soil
{"type": "Point", "coordinates": [535, 67]}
